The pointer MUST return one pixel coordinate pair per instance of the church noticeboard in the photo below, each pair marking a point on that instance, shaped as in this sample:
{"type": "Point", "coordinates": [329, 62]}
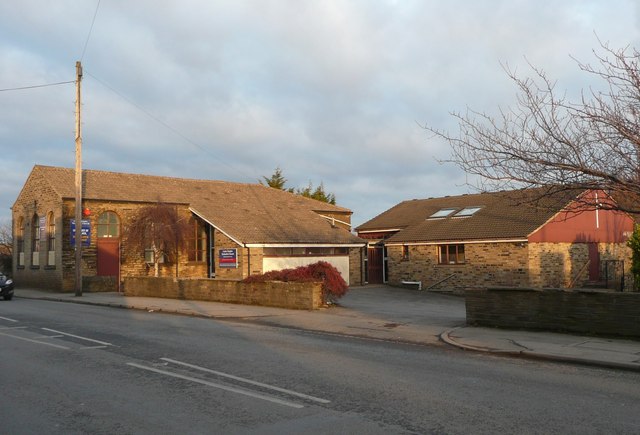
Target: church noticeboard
{"type": "Point", "coordinates": [85, 232]}
{"type": "Point", "coordinates": [228, 258]}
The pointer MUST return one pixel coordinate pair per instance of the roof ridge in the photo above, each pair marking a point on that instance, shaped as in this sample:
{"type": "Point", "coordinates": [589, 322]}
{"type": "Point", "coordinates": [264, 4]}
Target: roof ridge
{"type": "Point", "coordinates": [150, 178]}
{"type": "Point", "coordinates": [166, 177]}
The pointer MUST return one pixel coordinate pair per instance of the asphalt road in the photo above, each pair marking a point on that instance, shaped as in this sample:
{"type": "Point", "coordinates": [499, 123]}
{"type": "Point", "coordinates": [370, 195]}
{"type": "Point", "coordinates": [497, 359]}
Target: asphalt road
{"type": "Point", "coordinates": [68, 368]}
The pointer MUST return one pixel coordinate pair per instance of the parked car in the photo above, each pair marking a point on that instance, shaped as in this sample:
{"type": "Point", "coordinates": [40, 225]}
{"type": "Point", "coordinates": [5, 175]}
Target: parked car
{"type": "Point", "coordinates": [6, 287]}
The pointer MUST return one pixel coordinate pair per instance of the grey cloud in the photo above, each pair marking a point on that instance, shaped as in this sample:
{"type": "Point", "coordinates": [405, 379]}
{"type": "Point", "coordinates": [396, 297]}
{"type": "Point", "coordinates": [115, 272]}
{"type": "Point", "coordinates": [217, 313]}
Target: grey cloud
{"type": "Point", "coordinates": [329, 91]}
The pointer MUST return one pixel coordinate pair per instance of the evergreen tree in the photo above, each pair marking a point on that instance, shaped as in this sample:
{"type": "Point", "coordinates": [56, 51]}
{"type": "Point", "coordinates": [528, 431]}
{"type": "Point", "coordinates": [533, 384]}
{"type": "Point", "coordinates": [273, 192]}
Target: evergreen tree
{"type": "Point", "coordinates": [277, 181]}
{"type": "Point", "coordinates": [634, 244]}
{"type": "Point", "coordinates": [318, 193]}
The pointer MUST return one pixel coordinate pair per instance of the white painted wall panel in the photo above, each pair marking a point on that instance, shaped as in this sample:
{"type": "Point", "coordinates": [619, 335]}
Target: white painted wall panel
{"type": "Point", "coordinates": [278, 263]}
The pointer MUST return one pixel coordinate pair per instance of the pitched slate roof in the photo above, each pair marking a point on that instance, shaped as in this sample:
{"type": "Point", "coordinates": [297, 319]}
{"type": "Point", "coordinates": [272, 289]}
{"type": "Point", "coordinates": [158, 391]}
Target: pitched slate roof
{"type": "Point", "coordinates": [249, 213]}
{"type": "Point", "coordinates": [502, 215]}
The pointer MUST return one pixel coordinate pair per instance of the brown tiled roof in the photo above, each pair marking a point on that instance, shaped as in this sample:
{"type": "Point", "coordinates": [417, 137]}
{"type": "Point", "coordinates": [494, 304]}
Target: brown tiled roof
{"type": "Point", "coordinates": [502, 215]}
{"type": "Point", "coordinates": [250, 213]}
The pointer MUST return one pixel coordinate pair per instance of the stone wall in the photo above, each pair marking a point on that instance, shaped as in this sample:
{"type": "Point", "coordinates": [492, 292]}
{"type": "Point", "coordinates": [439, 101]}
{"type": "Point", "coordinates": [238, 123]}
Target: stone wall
{"type": "Point", "coordinates": [132, 261]}
{"type": "Point", "coordinates": [508, 264]}
{"type": "Point", "coordinates": [558, 265]}
{"type": "Point", "coordinates": [580, 311]}
{"type": "Point", "coordinates": [486, 264]}
{"type": "Point", "coordinates": [221, 241]}
{"type": "Point", "coordinates": [303, 296]}
{"type": "Point", "coordinates": [356, 265]}
{"type": "Point", "coordinates": [93, 284]}
{"type": "Point", "coordinates": [39, 199]}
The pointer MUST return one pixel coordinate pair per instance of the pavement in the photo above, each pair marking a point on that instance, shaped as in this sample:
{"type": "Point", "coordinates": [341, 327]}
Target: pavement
{"type": "Point", "coordinates": [389, 314]}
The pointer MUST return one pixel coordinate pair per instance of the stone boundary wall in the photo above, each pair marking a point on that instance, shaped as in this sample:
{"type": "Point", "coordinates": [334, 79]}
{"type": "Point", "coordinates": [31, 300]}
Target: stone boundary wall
{"type": "Point", "coordinates": [293, 295]}
{"type": "Point", "coordinates": [94, 284]}
{"type": "Point", "coordinates": [580, 311]}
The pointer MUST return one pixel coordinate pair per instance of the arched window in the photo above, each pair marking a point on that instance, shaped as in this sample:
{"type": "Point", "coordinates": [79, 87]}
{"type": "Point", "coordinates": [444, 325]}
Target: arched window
{"type": "Point", "coordinates": [51, 231]}
{"type": "Point", "coordinates": [51, 239]}
{"type": "Point", "coordinates": [108, 225]}
{"type": "Point", "coordinates": [20, 237]}
{"type": "Point", "coordinates": [35, 241]}
{"type": "Point", "coordinates": [35, 234]}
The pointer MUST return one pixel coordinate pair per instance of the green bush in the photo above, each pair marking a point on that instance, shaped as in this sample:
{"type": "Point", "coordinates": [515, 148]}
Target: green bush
{"type": "Point", "coordinates": [634, 244]}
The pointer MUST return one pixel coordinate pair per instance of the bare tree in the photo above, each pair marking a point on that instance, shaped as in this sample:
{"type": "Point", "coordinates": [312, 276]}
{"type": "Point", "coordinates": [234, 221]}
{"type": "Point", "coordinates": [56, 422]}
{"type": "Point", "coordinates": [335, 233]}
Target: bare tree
{"type": "Point", "coordinates": [545, 140]}
{"type": "Point", "coordinates": [160, 230]}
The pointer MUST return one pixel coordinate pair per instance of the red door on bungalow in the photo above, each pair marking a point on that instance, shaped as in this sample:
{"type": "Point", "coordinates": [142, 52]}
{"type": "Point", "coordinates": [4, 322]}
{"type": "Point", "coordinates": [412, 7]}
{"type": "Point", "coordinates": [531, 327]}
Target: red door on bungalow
{"type": "Point", "coordinates": [375, 264]}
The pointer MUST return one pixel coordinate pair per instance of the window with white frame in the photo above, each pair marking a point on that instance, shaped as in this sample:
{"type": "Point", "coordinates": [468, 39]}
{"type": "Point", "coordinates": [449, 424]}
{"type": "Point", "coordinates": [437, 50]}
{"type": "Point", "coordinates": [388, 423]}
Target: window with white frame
{"type": "Point", "coordinates": [467, 211]}
{"type": "Point", "coordinates": [442, 213]}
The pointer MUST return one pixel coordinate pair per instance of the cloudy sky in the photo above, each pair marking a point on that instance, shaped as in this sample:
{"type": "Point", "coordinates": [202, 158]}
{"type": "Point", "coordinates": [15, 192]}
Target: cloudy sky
{"type": "Point", "coordinates": [329, 91]}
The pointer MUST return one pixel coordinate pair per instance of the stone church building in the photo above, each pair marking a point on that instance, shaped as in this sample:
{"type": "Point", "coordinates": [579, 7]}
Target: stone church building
{"type": "Point", "coordinates": [236, 229]}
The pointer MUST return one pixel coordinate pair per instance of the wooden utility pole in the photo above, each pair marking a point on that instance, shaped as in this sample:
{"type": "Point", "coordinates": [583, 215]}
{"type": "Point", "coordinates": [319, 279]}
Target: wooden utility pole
{"type": "Point", "coordinates": [78, 217]}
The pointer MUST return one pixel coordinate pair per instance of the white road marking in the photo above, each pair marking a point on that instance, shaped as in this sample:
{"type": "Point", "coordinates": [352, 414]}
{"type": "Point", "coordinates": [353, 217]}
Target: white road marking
{"type": "Point", "coordinates": [14, 327]}
{"type": "Point", "coordinates": [78, 337]}
{"type": "Point", "coordinates": [35, 341]}
{"type": "Point", "coordinates": [248, 381]}
{"type": "Point", "coordinates": [8, 319]}
{"type": "Point", "coordinates": [222, 387]}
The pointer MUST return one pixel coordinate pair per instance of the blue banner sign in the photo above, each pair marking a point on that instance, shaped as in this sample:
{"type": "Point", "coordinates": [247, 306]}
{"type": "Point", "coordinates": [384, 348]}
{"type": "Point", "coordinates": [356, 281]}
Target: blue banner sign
{"type": "Point", "coordinates": [85, 231]}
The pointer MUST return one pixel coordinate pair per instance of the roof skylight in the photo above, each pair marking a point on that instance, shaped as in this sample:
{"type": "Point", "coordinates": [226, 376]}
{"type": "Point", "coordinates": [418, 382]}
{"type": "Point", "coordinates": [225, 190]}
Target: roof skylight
{"type": "Point", "coordinates": [467, 211]}
{"type": "Point", "coordinates": [442, 213]}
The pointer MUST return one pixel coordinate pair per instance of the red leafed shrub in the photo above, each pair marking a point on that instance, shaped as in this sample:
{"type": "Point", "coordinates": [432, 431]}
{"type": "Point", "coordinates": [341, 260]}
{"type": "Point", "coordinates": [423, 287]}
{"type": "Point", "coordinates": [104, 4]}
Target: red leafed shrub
{"type": "Point", "coordinates": [333, 285]}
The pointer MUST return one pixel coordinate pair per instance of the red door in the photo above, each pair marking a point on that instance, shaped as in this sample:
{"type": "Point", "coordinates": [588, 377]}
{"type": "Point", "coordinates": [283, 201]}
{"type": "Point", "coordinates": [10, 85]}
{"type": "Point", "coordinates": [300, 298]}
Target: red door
{"type": "Point", "coordinates": [374, 265]}
{"type": "Point", "coordinates": [108, 257]}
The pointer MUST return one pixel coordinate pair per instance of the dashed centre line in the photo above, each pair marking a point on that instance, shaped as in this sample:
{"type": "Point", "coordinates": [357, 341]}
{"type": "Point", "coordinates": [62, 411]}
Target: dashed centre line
{"type": "Point", "coordinates": [35, 341]}
{"type": "Point", "coordinates": [220, 386]}
{"type": "Point", "coordinates": [8, 319]}
{"type": "Point", "coordinates": [103, 343]}
{"type": "Point", "coordinates": [247, 381]}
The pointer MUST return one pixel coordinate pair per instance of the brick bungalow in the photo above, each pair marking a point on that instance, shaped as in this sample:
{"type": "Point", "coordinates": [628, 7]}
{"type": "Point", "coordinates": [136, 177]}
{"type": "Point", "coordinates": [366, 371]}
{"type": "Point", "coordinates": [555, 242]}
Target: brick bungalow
{"type": "Point", "coordinates": [499, 239]}
{"type": "Point", "coordinates": [237, 229]}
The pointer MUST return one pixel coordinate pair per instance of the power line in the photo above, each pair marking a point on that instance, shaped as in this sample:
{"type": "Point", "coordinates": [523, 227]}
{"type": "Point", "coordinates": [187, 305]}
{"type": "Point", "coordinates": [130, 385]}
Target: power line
{"type": "Point", "coordinates": [36, 86]}
{"type": "Point", "coordinates": [167, 126]}
{"type": "Point", "coordinates": [90, 30]}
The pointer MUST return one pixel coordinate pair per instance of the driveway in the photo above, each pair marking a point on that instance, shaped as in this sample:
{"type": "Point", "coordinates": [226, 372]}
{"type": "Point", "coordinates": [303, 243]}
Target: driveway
{"type": "Point", "coordinates": [406, 306]}
{"type": "Point", "coordinates": [387, 313]}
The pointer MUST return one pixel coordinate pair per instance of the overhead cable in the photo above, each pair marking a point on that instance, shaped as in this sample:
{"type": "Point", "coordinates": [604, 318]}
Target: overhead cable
{"type": "Point", "coordinates": [86, 42]}
{"type": "Point", "coordinates": [167, 126]}
{"type": "Point", "coordinates": [36, 86]}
